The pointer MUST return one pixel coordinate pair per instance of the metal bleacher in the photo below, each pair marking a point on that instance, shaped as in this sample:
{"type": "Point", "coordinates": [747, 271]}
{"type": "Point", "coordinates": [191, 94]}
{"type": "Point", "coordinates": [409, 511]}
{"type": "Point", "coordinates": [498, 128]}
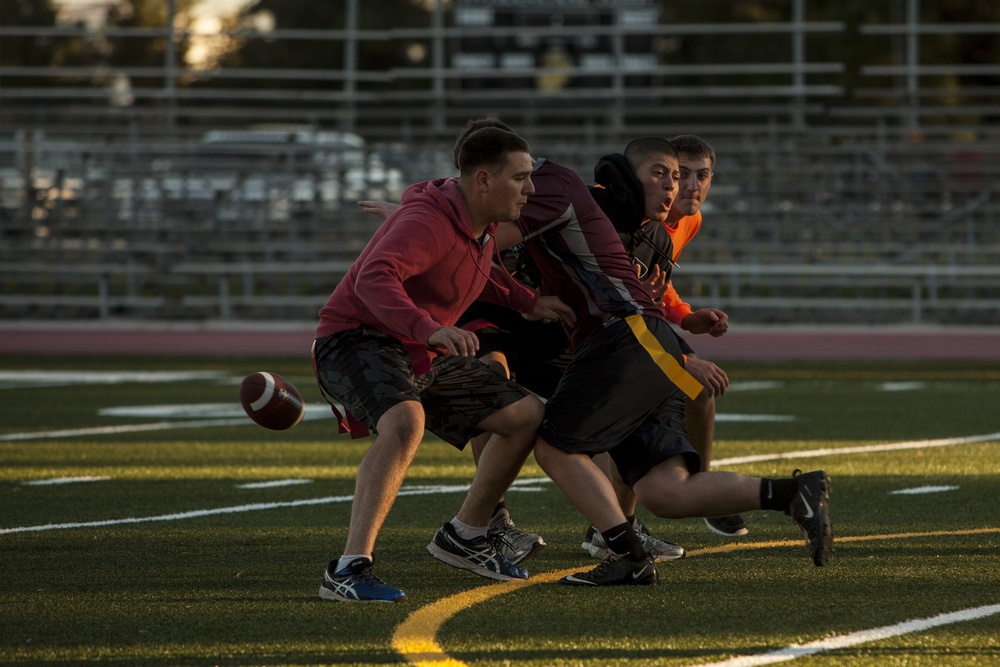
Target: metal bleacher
{"type": "Point", "coordinates": [861, 195]}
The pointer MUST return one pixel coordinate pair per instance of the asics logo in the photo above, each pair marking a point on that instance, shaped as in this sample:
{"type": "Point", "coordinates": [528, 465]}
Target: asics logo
{"type": "Point", "coordinates": [809, 510]}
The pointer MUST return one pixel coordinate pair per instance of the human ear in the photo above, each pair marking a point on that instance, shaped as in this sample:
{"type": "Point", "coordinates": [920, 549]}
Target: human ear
{"type": "Point", "coordinates": [483, 180]}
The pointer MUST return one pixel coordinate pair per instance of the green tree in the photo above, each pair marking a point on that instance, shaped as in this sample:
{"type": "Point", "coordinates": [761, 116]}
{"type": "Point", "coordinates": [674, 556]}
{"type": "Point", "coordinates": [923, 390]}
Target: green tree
{"type": "Point", "coordinates": [29, 51]}
{"type": "Point", "coordinates": [373, 55]}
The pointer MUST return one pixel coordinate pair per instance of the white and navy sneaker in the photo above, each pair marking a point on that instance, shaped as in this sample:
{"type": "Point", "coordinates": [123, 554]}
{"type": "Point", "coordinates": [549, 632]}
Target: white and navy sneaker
{"type": "Point", "coordinates": [810, 509]}
{"type": "Point", "coordinates": [356, 582]}
{"type": "Point", "coordinates": [515, 544]}
{"type": "Point", "coordinates": [477, 555]}
{"type": "Point", "coordinates": [660, 550]}
{"type": "Point", "coordinates": [617, 570]}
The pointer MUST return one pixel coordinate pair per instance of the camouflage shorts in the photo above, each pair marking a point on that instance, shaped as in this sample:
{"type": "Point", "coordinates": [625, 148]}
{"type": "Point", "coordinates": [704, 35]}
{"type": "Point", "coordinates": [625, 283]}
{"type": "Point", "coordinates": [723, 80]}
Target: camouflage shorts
{"type": "Point", "coordinates": [369, 372]}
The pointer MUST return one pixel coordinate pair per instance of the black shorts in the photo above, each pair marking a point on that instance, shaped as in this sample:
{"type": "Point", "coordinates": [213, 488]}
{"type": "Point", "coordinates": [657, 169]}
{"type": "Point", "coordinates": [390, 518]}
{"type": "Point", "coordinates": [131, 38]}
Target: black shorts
{"type": "Point", "coordinates": [615, 398]}
{"type": "Point", "coordinates": [537, 352]}
{"type": "Point", "coordinates": [369, 372]}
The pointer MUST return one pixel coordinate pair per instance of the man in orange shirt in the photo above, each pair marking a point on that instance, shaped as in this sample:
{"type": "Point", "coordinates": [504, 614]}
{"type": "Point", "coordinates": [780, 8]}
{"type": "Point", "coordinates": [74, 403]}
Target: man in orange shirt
{"type": "Point", "coordinates": [697, 161]}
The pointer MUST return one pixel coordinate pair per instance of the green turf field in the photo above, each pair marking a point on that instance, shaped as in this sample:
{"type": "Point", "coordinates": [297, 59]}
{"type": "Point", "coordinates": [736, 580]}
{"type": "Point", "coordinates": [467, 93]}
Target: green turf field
{"type": "Point", "coordinates": [137, 527]}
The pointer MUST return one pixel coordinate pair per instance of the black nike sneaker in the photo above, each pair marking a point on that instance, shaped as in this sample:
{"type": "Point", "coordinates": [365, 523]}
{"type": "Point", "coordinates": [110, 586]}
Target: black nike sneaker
{"type": "Point", "coordinates": [810, 509]}
{"type": "Point", "coordinates": [733, 525]}
{"type": "Point", "coordinates": [617, 570]}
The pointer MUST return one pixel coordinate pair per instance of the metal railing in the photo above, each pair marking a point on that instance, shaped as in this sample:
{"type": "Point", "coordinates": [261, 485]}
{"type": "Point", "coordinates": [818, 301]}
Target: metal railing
{"type": "Point", "coordinates": [113, 204]}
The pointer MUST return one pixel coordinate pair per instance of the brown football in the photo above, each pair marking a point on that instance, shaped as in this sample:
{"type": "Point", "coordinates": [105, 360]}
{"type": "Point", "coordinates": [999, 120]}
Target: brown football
{"type": "Point", "coordinates": [271, 401]}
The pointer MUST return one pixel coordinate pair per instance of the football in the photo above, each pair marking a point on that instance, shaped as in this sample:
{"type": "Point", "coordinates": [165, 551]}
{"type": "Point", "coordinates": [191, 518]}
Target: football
{"type": "Point", "coordinates": [271, 401]}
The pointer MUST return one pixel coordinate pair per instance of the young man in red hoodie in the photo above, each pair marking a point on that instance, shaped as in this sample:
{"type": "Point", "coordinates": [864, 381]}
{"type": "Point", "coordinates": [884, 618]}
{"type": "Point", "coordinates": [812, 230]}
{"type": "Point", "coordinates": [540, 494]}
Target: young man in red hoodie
{"type": "Point", "coordinates": [387, 349]}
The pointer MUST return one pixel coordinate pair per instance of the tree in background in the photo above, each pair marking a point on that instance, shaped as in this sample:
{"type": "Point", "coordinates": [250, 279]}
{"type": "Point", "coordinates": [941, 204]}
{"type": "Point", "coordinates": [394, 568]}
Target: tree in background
{"type": "Point", "coordinates": [214, 56]}
{"type": "Point", "coordinates": [29, 51]}
{"type": "Point", "coordinates": [321, 54]}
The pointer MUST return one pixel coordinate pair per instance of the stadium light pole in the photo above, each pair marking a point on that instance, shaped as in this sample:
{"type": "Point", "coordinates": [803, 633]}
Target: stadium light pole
{"type": "Point", "coordinates": [437, 62]}
{"type": "Point", "coordinates": [799, 57]}
{"type": "Point", "coordinates": [170, 61]}
{"type": "Point", "coordinates": [913, 63]}
{"type": "Point", "coordinates": [350, 65]}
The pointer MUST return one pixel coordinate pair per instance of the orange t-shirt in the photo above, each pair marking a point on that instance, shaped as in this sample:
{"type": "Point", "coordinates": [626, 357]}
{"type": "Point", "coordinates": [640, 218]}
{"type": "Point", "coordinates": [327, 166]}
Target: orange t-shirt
{"type": "Point", "coordinates": [675, 308]}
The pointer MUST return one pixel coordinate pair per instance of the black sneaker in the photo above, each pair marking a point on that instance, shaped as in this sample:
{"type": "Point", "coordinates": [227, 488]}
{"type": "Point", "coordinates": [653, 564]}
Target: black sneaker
{"type": "Point", "coordinates": [810, 509]}
{"type": "Point", "coordinates": [515, 544]}
{"type": "Point", "coordinates": [357, 582]}
{"type": "Point", "coordinates": [617, 570]}
{"type": "Point", "coordinates": [477, 555]}
{"type": "Point", "coordinates": [728, 526]}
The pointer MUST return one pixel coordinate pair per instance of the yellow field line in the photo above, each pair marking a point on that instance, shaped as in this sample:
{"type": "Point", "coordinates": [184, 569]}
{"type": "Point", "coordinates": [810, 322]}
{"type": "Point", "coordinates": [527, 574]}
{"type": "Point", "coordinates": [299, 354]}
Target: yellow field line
{"type": "Point", "coordinates": [414, 639]}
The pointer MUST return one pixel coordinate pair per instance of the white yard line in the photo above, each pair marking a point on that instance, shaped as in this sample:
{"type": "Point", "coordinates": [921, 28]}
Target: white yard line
{"type": "Point", "coordinates": [124, 428]}
{"type": "Point", "coordinates": [39, 379]}
{"type": "Point", "coordinates": [922, 489]}
{"type": "Point", "coordinates": [273, 484]}
{"type": "Point", "coordinates": [860, 637]}
{"type": "Point", "coordinates": [867, 449]}
{"type": "Point", "coordinates": [410, 491]}
{"type": "Point", "coordinates": [225, 416]}
{"type": "Point", "coordinates": [66, 480]}
{"type": "Point", "coordinates": [731, 417]}
{"type": "Point", "coordinates": [236, 509]}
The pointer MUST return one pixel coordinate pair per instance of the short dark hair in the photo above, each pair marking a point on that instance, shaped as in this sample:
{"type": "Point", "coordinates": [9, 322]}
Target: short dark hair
{"type": "Point", "coordinates": [476, 124]}
{"type": "Point", "coordinates": [641, 149]}
{"type": "Point", "coordinates": [692, 145]}
{"type": "Point", "coordinates": [488, 148]}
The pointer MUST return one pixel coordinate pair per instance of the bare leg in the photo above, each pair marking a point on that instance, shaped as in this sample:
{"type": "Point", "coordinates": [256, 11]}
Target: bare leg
{"type": "Point", "coordinates": [478, 445]}
{"type": "Point", "coordinates": [501, 460]}
{"type": "Point", "coordinates": [583, 483]}
{"type": "Point", "coordinates": [381, 474]}
{"type": "Point", "coordinates": [699, 422]}
{"type": "Point", "coordinates": [625, 495]}
{"type": "Point", "coordinates": [670, 492]}
{"type": "Point", "coordinates": [498, 362]}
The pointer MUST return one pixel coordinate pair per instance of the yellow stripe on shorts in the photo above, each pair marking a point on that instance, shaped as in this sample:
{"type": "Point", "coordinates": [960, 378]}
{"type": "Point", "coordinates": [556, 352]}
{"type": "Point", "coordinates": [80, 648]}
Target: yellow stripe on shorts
{"type": "Point", "coordinates": [673, 370]}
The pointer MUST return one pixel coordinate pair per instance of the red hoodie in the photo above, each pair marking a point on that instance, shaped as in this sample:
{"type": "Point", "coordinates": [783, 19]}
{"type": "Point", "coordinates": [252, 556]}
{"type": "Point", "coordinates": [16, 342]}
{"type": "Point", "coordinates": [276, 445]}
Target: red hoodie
{"type": "Point", "coordinates": [420, 271]}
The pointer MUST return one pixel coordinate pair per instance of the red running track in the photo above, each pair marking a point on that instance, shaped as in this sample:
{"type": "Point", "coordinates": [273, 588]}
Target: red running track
{"type": "Point", "coordinates": [256, 340]}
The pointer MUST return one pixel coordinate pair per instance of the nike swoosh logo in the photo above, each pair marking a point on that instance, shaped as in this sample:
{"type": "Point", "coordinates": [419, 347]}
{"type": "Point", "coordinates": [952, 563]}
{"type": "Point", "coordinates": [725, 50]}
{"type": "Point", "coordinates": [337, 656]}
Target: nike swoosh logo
{"type": "Point", "coordinates": [809, 509]}
{"type": "Point", "coordinates": [636, 575]}
{"type": "Point", "coordinates": [615, 537]}
{"type": "Point", "coordinates": [770, 490]}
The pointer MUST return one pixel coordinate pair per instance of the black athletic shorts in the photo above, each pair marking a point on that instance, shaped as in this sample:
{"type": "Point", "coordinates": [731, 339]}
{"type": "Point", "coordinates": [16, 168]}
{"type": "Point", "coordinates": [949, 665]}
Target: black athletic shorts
{"type": "Point", "coordinates": [369, 372]}
{"type": "Point", "coordinates": [537, 352]}
{"type": "Point", "coordinates": [615, 398]}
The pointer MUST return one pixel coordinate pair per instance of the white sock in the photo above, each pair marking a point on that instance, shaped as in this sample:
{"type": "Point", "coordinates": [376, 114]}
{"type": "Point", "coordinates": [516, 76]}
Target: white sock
{"type": "Point", "coordinates": [346, 560]}
{"type": "Point", "coordinates": [467, 532]}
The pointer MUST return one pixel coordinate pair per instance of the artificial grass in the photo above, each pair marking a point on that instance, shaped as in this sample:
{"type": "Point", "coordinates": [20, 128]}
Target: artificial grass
{"type": "Point", "coordinates": [237, 584]}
